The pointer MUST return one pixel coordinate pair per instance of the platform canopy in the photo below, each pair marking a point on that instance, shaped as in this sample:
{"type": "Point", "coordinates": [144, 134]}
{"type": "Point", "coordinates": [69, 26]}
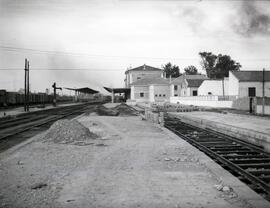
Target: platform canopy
{"type": "Point", "coordinates": [86, 90]}
{"type": "Point", "coordinates": [117, 90]}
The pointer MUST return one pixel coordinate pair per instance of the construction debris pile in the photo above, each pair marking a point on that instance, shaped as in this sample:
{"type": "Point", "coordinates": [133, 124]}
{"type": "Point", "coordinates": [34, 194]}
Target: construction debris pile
{"type": "Point", "coordinates": [125, 110]}
{"type": "Point", "coordinates": [120, 110]}
{"type": "Point", "coordinates": [69, 132]}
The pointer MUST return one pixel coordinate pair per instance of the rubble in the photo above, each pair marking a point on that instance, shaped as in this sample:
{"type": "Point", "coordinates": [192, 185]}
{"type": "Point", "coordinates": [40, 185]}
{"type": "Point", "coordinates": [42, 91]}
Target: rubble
{"type": "Point", "coordinates": [38, 185]}
{"type": "Point", "coordinates": [69, 132]}
{"type": "Point", "coordinates": [119, 110]}
{"type": "Point", "coordinates": [226, 190]}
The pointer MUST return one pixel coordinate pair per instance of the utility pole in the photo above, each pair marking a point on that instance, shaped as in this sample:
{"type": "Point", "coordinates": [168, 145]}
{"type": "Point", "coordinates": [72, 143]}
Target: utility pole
{"type": "Point", "coordinates": [25, 83]}
{"type": "Point", "coordinates": [263, 92]}
{"type": "Point", "coordinates": [54, 93]}
{"type": "Point", "coordinates": [26, 86]}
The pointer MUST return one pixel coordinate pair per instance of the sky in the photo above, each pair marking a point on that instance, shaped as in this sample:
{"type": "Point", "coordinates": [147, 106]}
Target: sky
{"type": "Point", "coordinates": [90, 43]}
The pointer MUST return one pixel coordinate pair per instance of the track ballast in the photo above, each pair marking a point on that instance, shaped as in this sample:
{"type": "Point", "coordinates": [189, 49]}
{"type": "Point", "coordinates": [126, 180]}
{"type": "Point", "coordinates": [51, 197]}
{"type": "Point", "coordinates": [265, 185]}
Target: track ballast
{"type": "Point", "coordinates": [250, 163]}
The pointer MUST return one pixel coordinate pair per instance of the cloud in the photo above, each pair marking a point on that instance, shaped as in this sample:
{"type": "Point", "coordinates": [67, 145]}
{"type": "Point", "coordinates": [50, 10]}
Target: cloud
{"type": "Point", "coordinates": [191, 15]}
{"type": "Point", "coordinates": [251, 20]}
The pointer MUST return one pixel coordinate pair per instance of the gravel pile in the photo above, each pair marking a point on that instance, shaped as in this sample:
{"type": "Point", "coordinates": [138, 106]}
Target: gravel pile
{"type": "Point", "coordinates": [103, 111]}
{"type": "Point", "coordinates": [125, 110]}
{"type": "Point", "coordinates": [69, 132]}
{"type": "Point", "coordinates": [119, 110]}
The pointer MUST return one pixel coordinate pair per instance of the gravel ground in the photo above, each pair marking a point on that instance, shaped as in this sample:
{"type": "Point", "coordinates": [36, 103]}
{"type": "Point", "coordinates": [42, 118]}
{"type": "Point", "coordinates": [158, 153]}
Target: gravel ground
{"type": "Point", "coordinates": [132, 163]}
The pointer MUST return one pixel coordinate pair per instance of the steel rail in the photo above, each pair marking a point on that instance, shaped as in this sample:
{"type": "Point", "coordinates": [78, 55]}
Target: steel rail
{"type": "Point", "coordinates": [40, 123]}
{"type": "Point", "coordinates": [234, 167]}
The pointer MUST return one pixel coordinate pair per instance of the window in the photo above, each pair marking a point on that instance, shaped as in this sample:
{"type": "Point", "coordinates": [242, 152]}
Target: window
{"type": "Point", "coordinates": [175, 87]}
{"type": "Point", "coordinates": [164, 95]}
{"type": "Point", "coordinates": [209, 93]}
{"type": "Point", "coordinates": [252, 91]}
{"type": "Point", "coordinates": [159, 95]}
{"type": "Point", "coordinates": [156, 95]}
{"type": "Point", "coordinates": [141, 94]}
{"type": "Point", "coordinates": [194, 93]}
{"type": "Point", "coordinates": [175, 95]}
{"type": "Point", "coordinates": [138, 78]}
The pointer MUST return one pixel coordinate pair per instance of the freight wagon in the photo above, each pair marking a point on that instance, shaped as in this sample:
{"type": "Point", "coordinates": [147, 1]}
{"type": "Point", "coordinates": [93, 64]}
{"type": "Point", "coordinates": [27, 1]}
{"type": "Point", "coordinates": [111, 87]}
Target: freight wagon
{"type": "Point", "coordinates": [17, 99]}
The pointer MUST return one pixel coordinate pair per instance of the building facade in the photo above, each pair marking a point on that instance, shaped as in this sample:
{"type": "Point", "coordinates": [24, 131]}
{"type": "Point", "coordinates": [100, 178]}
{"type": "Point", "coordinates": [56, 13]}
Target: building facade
{"type": "Point", "coordinates": [141, 72]}
{"type": "Point", "coordinates": [186, 85]}
{"type": "Point", "coordinates": [249, 83]}
{"type": "Point", "coordinates": [214, 87]}
{"type": "Point", "coordinates": [150, 90]}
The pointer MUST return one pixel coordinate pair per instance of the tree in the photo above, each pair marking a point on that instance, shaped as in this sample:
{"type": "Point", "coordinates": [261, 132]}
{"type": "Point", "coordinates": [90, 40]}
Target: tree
{"type": "Point", "coordinates": [208, 63]}
{"type": "Point", "coordinates": [219, 66]}
{"type": "Point", "coordinates": [171, 70]}
{"type": "Point", "coordinates": [225, 64]}
{"type": "Point", "coordinates": [191, 70]}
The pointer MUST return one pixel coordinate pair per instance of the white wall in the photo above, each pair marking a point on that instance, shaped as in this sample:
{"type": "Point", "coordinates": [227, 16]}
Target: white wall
{"type": "Point", "coordinates": [197, 102]}
{"type": "Point", "coordinates": [191, 89]}
{"type": "Point", "coordinates": [132, 93]}
{"type": "Point", "coordinates": [266, 109]}
{"type": "Point", "coordinates": [151, 94]}
{"type": "Point", "coordinates": [175, 92]}
{"type": "Point", "coordinates": [233, 85]}
{"type": "Point", "coordinates": [135, 93]}
{"type": "Point", "coordinates": [161, 90]}
{"type": "Point", "coordinates": [214, 86]}
{"type": "Point", "coordinates": [243, 88]}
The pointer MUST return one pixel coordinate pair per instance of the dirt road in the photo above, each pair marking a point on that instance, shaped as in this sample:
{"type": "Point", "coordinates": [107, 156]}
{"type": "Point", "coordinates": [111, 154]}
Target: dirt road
{"type": "Point", "coordinates": [132, 164]}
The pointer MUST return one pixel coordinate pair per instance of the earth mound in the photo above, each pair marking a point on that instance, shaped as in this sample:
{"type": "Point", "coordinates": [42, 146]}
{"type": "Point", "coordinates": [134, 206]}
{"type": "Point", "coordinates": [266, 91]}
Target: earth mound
{"type": "Point", "coordinates": [69, 132]}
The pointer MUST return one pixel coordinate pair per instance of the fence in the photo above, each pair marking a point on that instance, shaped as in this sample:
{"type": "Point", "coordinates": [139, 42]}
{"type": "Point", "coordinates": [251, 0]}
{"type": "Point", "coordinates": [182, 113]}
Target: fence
{"type": "Point", "coordinates": [209, 101]}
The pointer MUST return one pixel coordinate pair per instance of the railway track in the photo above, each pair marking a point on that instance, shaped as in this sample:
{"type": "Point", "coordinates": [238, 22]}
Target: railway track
{"type": "Point", "coordinates": [16, 130]}
{"type": "Point", "coordinates": [250, 163]}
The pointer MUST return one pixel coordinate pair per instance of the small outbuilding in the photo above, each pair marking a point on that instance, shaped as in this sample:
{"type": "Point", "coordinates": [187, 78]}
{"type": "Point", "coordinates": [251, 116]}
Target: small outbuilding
{"type": "Point", "coordinates": [249, 83]}
{"type": "Point", "coordinates": [186, 85]}
{"type": "Point", "coordinates": [150, 90]}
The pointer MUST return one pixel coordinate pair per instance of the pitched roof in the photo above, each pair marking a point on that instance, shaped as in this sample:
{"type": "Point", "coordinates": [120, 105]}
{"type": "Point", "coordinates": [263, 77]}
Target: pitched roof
{"type": "Point", "coordinates": [117, 90]}
{"type": "Point", "coordinates": [251, 76]}
{"type": "Point", "coordinates": [180, 79]}
{"type": "Point", "coordinates": [194, 82]}
{"type": "Point", "coordinates": [144, 68]}
{"type": "Point", "coordinates": [83, 90]}
{"type": "Point", "coordinates": [151, 81]}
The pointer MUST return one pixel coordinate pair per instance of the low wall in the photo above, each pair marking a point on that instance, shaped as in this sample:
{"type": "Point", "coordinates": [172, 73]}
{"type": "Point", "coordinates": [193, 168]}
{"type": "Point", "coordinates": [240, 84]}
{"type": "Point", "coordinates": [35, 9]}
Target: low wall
{"type": "Point", "coordinates": [208, 103]}
{"type": "Point", "coordinates": [266, 109]}
{"type": "Point", "coordinates": [241, 103]}
{"type": "Point", "coordinates": [154, 117]}
{"type": "Point", "coordinates": [259, 105]}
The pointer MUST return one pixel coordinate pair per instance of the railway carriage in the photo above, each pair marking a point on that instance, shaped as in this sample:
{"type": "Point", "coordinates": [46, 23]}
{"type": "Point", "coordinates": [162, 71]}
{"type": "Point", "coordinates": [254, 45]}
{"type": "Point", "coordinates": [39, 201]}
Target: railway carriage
{"type": "Point", "coordinates": [17, 99]}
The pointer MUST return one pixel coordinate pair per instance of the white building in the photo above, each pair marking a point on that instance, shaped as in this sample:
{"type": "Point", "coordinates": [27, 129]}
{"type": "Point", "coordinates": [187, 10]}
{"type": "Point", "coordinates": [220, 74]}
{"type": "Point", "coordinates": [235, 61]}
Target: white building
{"type": "Point", "coordinates": [214, 87]}
{"type": "Point", "coordinates": [141, 72]}
{"type": "Point", "coordinates": [232, 92]}
{"type": "Point", "coordinates": [186, 85]}
{"type": "Point", "coordinates": [150, 90]}
{"type": "Point", "coordinates": [249, 83]}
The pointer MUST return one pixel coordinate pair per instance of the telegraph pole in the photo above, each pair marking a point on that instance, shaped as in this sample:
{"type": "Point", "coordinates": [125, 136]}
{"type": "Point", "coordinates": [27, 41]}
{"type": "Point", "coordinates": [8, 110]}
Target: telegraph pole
{"type": "Point", "coordinates": [25, 83]}
{"type": "Point", "coordinates": [54, 93]}
{"type": "Point", "coordinates": [263, 92]}
{"type": "Point", "coordinates": [26, 86]}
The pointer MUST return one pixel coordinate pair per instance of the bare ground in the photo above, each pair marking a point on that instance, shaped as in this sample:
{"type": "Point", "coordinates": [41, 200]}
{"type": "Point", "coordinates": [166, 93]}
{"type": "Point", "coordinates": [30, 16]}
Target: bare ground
{"type": "Point", "coordinates": [131, 164]}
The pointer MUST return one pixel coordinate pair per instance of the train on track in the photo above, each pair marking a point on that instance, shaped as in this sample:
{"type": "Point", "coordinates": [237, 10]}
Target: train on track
{"type": "Point", "coordinates": [17, 99]}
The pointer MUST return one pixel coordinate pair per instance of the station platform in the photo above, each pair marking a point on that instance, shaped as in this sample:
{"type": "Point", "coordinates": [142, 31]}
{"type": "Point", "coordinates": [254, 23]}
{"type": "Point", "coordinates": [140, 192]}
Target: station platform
{"type": "Point", "coordinates": [253, 129]}
{"type": "Point", "coordinates": [20, 110]}
{"type": "Point", "coordinates": [132, 163]}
